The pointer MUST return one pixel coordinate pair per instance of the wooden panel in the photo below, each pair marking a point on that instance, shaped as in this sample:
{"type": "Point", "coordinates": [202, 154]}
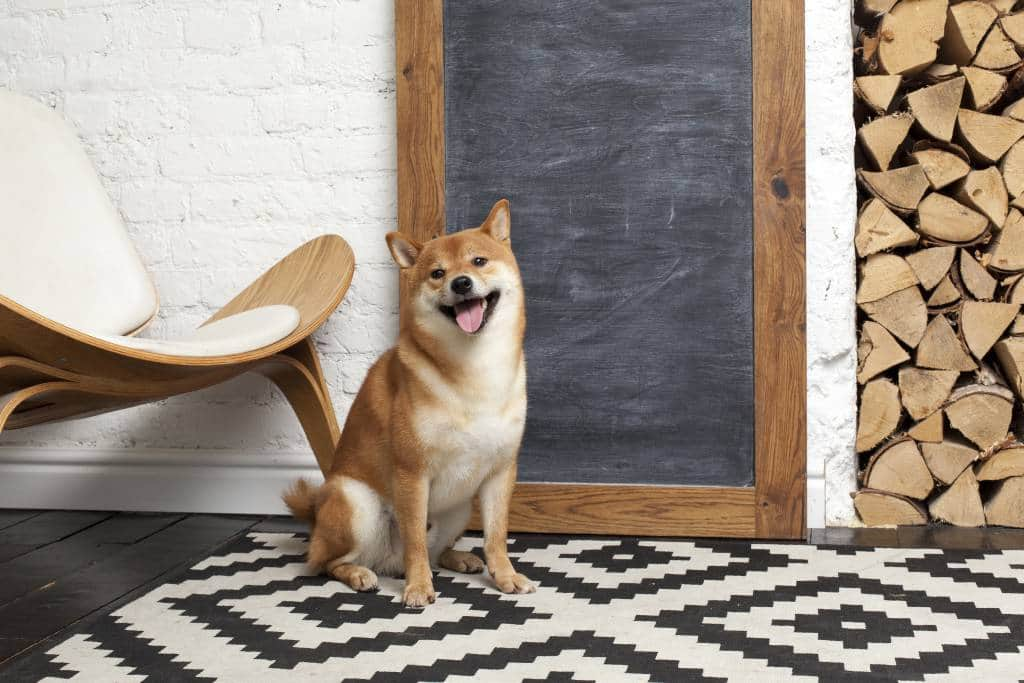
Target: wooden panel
{"type": "Point", "coordinates": [779, 279]}
{"type": "Point", "coordinates": [419, 34]}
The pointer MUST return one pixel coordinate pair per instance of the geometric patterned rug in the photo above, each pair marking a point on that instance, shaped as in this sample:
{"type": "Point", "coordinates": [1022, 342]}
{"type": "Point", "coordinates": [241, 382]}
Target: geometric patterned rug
{"type": "Point", "coordinates": [606, 609]}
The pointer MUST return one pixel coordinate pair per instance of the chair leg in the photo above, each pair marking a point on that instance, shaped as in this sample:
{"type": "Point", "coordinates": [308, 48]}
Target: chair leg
{"type": "Point", "coordinates": [298, 375]}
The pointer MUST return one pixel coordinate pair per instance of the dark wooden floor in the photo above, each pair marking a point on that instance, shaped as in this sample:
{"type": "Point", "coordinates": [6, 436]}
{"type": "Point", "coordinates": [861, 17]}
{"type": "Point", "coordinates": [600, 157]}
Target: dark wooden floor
{"type": "Point", "coordinates": [58, 568]}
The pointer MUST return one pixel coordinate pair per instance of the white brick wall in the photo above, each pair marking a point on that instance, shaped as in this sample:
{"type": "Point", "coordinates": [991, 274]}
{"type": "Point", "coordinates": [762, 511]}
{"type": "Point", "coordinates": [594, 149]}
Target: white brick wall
{"type": "Point", "coordinates": [228, 133]}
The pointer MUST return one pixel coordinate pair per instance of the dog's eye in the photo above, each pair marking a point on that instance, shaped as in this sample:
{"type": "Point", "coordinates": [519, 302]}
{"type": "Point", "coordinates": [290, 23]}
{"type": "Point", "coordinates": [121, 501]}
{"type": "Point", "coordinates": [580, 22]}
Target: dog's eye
{"type": "Point", "coordinates": [437, 274]}
{"type": "Point", "coordinates": [479, 261]}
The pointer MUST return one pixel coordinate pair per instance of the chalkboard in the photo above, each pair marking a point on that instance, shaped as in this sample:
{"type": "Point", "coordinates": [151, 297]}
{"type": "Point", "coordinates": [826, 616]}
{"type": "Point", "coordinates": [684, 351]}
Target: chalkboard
{"type": "Point", "coordinates": [621, 132]}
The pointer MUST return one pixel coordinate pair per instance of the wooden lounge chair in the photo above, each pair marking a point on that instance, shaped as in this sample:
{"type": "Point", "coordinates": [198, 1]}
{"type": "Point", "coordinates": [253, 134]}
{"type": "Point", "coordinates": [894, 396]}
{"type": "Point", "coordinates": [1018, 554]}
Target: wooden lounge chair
{"type": "Point", "coordinates": [74, 294]}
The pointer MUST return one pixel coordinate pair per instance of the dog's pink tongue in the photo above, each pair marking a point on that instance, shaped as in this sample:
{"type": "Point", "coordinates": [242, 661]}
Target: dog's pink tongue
{"type": "Point", "coordinates": [470, 315]}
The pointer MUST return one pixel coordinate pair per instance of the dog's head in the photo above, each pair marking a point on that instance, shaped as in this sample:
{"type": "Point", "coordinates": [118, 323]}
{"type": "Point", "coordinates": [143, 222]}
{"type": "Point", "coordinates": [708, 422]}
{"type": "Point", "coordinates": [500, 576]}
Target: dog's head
{"type": "Point", "coordinates": [465, 283]}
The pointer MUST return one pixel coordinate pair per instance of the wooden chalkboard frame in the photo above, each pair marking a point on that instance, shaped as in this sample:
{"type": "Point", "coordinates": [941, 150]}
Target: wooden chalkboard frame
{"type": "Point", "coordinates": [774, 506]}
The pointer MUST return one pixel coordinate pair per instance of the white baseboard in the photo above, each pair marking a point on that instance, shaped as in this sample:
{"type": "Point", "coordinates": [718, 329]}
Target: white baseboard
{"type": "Point", "coordinates": [816, 503]}
{"type": "Point", "coordinates": [150, 481]}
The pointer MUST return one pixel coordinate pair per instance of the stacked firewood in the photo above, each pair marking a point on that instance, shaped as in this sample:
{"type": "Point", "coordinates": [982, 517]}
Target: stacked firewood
{"type": "Point", "coordinates": [940, 244]}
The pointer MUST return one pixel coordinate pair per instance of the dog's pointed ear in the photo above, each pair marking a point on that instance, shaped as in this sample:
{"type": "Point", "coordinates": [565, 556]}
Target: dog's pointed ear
{"type": "Point", "coordinates": [499, 222]}
{"type": "Point", "coordinates": [403, 250]}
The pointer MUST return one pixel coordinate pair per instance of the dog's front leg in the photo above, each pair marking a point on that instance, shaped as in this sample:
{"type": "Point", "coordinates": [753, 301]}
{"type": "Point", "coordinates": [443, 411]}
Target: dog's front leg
{"type": "Point", "coordinates": [495, 498]}
{"type": "Point", "coordinates": [411, 511]}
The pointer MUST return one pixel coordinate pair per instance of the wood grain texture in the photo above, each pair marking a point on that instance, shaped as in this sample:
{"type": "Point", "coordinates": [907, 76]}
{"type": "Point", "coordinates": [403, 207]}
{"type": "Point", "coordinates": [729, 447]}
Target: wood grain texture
{"type": "Point", "coordinates": [779, 268]}
{"type": "Point", "coordinates": [419, 33]}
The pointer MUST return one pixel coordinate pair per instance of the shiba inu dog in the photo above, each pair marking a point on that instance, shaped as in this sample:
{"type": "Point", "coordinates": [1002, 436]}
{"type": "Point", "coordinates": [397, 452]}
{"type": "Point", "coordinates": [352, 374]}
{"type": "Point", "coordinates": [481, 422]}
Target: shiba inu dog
{"type": "Point", "coordinates": [437, 421]}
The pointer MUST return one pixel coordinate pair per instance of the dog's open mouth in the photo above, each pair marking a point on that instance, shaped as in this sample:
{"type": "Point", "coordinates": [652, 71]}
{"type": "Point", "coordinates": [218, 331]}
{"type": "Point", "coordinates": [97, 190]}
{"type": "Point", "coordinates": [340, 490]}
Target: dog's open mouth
{"type": "Point", "coordinates": [472, 314]}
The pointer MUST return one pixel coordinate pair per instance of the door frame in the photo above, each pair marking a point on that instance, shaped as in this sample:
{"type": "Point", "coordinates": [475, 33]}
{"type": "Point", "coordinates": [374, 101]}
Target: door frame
{"type": "Point", "coordinates": [775, 506]}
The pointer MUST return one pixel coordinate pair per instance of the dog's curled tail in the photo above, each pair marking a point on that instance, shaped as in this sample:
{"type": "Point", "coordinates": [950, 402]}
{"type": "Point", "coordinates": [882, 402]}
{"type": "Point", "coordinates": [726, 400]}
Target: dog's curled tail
{"type": "Point", "coordinates": [301, 500]}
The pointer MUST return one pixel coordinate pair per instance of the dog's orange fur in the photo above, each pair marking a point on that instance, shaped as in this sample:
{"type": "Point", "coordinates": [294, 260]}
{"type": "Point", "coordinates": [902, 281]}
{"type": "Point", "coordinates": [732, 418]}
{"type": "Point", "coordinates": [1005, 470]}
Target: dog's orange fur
{"type": "Point", "coordinates": [438, 420]}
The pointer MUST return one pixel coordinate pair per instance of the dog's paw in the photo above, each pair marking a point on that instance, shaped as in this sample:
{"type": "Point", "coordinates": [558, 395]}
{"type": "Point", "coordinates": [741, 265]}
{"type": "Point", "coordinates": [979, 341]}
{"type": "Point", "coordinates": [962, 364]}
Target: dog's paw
{"type": "Point", "coordinates": [514, 583]}
{"type": "Point", "coordinates": [461, 561]}
{"type": "Point", "coordinates": [418, 594]}
{"type": "Point", "coordinates": [357, 578]}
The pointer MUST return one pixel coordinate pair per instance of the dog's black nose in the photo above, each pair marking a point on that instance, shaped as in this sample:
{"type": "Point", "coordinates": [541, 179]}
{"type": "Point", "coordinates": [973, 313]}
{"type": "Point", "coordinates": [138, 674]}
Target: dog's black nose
{"type": "Point", "coordinates": [462, 285]}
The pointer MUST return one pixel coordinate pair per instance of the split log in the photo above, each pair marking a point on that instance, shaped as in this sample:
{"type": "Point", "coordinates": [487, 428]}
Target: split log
{"type": "Point", "coordinates": [981, 413]}
{"type": "Point", "coordinates": [997, 52]}
{"type": "Point", "coordinates": [944, 295]}
{"type": "Point", "coordinates": [960, 504]}
{"type": "Point", "coordinates": [941, 348]}
{"type": "Point", "coordinates": [943, 163]}
{"type": "Point", "coordinates": [931, 265]}
{"type": "Point", "coordinates": [867, 51]}
{"type": "Point", "coordinates": [984, 88]}
{"type": "Point", "coordinates": [1005, 507]}
{"type": "Point", "coordinates": [1006, 251]}
{"type": "Point", "coordinates": [877, 508]}
{"type": "Point", "coordinates": [982, 323]}
{"type": "Point", "coordinates": [948, 460]}
{"type": "Point", "coordinates": [903, 313]}
{"type": "Point", "coordinates": [1010, 354]}
{"type": "Point", "coordinates": [881, 138]}
{"type": "Point", "coordinates": [898, 468]}
{"type": "Point", "coordinates": [923, 392]}
{"type": "Point", "coordinates": [1014, 293]}
{"type": "Point", "coordinates": [1013, 27]}
{"type": "Point", "coordinates": [879, 229]}
{"type": "Point", "coordinates": [985, 192]}
{"type": "Point", "coordinates": [988, 137]}
{"type": "Point", "coordinates": [928, 430]}
{"type": "Point", "coordinates": [885, 274]}
{"type": "Point", "coordinates": [879, 413]}
{"type": "Point", "coordinates": [937, 73]}
{"type": "Point", "coordinates": [1006, 463]}
{"type": "Point", "coordinates": [901, 188]}
{"type": "Point", "coordinates": [936, 107]}
{"type": "Point", "coordinates": [909, 34]}
{"type": "Point", "coordinates": [1012, 168]}
{"type": "Point", "coordinates": [1003, 6]}
{"type": "Point", "coordinates": [947, 220]}
{"type": "Point", "coordinates": [1017, 327]}
{"type": "Point", "coordinates": [867, 12]}
{"type": "Point", "coordinates": [976, 279]}
{"type": "Point", "coordinates": [966, 26]}
{"type": "Point", "coordinates": [877, 92]}
{"type": "Point", "coordinates": [877, 352]}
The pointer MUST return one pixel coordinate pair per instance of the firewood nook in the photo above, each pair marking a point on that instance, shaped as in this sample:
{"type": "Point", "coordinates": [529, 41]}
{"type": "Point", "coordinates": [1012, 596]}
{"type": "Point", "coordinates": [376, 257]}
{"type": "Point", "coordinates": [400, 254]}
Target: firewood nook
{"type": "Point", "coordinates": [940, 244]}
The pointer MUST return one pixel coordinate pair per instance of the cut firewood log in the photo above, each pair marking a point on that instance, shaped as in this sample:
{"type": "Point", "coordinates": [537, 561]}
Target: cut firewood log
{"type": "Point", "coordinates": [937, 73]}
{"type": "Point", "coordinates": [960, 504]}
{"type": "Point", "coordinates": [997, 52]}
{"type": "Point", "coordinates": [1014, 292]}
{"type": "Point", "coordinates": [1006, 251]}
{"type": "Point", "coordinates": [982, 323]}
{"type": "Point", "coordinates": [1013, 27]}
{"type": "Point", "coordinates": [879, 413]}
{"type": "Point", "coordinates": [1004, 464]}
{"type": "Point", "coordinates": [985, 192]}
{"type": "Point", "coordinates": [944, 295]}
{"type": "Point", "coordinates": [928, 430]}
{"type": "Point", "coordinates": [898, 468]}
{"type": "Point", "coordinates": [941, 348]}
{"type": "Point", "coordinates": [866, 53]}
{"type": "Point", "coordinates": [901, 188]}
{"type": "Point", "coordinates": [879, 229]}
{"type": "Point", "coordinates": [1015, 110]}
{"type": "Point", "coordinates": [877, 508]}
{"type": "Point", "coordinates": [1012, 168]}
{"type": "Point", "coordinates": [975, 278]}
{"type": "Point", "coordinates": [943, 163]}
{"type": "Point", "coordinates": [877, 92]}
{"type": "Point", "coordinates": [936, 107]}
{"type": "Point", "coordinates": [867, 12]}
{"type": "Point", "coordinates": [988, 137]}
{"type": "Point", "coordinates": [966, 26]}
{"type": "Point", "coordinates": [903, 313]}
{"type": "Point", "coordinates": [984, 88]}
{"type": "Point", "coordinates": [1010, 354]}
{"type": "Point", "coordinates": [925, 391]}
{"type": "Point", "coordinates": [947, 220]}
{"type": "Point", "coordinates": [948, 460]}
{"type": "Point", "coordinates": [877, 352]}
{"type": "Point", "coordinates": [981, 413]}
{"type": "Point", "coordinates": [881, 138]}
{"type": "Point", "coordinates": [909, 34]}
{"type": "Point", "coordinates": [1003, 6]}
{"type": "Point", "coordinates": [885, 274]}
{"type": "Point", "coordinates": [1005, 507]}
{"type": "Point", "coordinates": [931, 265]}
{"type": "Point", "coordinates": [1017, 327]}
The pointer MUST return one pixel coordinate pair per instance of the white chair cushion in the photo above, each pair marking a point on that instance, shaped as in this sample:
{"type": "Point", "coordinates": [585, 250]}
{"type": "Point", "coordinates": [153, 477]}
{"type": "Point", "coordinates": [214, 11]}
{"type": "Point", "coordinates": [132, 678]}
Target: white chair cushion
{"type": "Point", "coordinates": [64, 251]}
{"type": "Point", "coordinates": [246, 331]}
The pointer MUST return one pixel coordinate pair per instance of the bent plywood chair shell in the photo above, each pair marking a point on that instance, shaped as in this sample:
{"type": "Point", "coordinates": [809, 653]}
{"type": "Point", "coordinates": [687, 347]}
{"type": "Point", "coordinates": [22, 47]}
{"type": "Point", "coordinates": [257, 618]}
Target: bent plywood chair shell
{"type": "Point", "coordinates": [73, 293]}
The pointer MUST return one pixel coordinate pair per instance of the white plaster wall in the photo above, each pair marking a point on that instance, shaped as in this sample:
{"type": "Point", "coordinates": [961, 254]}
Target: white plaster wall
{"type": "Point", "coordinates": [229, 132]}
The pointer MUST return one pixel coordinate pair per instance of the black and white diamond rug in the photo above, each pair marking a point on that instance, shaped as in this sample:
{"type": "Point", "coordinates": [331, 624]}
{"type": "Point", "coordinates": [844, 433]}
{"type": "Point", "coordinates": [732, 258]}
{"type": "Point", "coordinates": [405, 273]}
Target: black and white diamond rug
{"type": "Point", "coordinates": [606, 609]}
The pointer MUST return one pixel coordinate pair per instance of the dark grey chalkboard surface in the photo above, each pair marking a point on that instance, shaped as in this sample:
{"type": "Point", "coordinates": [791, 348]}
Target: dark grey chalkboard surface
{"type": "Point", "coordinates": [621, 132]}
